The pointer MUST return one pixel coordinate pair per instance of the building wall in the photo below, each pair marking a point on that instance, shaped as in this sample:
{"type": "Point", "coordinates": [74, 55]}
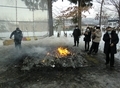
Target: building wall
{"type": "Point", "coordinates": [113, 23]}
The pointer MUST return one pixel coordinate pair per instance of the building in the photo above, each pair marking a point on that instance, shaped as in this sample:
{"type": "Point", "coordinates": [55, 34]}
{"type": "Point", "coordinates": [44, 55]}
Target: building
{"type": "Point", "coordinates": [113, 23]}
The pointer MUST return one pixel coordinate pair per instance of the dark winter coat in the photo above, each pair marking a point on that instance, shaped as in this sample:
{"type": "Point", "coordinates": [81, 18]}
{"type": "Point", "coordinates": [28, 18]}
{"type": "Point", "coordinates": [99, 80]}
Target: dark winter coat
{"type": "Point", "coordinates": [17, 35]}
{"type": "Point", "coordinates": [76, 33]}
{"type": "Point", "coordinates": [87, 35]}
{"type": "Point", "coordinates": [114, 40]}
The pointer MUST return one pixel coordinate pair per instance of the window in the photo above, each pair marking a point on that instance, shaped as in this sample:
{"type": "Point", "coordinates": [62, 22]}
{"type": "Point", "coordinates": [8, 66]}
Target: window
{"type": "Point", "coordinates": [109, 23]}
{"type": "Point", "coordinates": [114, 23]}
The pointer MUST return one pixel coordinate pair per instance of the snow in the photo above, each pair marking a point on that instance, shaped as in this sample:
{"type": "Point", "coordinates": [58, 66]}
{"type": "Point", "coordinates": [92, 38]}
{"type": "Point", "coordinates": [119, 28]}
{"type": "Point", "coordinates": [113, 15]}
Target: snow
{"type": "Point", "coordinates": [57, 40]}
{"type": "Point", "coordinates": [92, 77]}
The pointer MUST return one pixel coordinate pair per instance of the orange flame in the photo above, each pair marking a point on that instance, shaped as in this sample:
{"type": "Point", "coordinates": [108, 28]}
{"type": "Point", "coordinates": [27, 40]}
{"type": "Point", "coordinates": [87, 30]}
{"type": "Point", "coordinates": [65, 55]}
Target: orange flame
{"type": "Point", "coordinates": [63, 51]}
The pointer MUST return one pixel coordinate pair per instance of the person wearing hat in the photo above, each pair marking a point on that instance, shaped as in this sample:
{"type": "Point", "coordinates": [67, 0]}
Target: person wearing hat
{"type": "Point", "coordinates": [110, 39]}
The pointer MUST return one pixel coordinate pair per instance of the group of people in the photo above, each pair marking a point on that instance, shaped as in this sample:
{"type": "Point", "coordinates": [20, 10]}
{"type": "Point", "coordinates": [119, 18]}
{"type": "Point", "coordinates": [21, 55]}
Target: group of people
{"type": "Point", "coordinates": [110, 39]}
{"type": "Point", "coordinates": [95, 35]}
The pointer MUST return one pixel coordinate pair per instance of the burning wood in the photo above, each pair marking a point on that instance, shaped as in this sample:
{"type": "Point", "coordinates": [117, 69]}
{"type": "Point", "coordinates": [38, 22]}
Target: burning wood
{"type": "Point", "coordinates": [64, 58]}
{"type": "Point", "coordinates": [60, 57]}
{"type": "Point", "coordinates": [63, 51]}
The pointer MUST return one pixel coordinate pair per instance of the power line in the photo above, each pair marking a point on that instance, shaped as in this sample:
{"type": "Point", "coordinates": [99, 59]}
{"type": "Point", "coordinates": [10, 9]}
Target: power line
{"type": "Point", "coordinates": [13, 7]}
{"type": "Point", "coordinates": [20, 21]}
{"type": "Point", "coordinates": [19, 7]}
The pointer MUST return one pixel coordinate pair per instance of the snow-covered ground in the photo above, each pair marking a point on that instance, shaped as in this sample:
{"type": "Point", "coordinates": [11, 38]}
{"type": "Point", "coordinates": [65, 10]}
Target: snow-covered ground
{"type": "Point", "coordinates": [4, 36]}
{"type": "Point", "coordinates": [95, 76]}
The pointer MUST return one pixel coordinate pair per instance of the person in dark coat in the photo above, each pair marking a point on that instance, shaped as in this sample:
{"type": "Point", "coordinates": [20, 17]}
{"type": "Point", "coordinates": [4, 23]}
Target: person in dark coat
{"type": "Point", "coordinates": [111, 39]}
{"type": "Point", "coordinates": [87, 38]}
{"type": "Point", "coordinates": [76, 35]}
{"type": "Point", "coordinates": [17, 37]}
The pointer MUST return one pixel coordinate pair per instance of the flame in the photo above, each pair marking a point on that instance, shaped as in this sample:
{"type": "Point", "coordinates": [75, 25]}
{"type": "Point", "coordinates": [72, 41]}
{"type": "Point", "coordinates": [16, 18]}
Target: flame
{"type": "Point", "coordinates": [43, 61]}
{"type": "Point", "coordinates": [63, 51]}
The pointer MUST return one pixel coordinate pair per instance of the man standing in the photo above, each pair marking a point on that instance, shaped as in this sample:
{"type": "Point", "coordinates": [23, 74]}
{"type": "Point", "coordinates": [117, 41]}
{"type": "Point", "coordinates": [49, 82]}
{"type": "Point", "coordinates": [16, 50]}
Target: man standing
{"type": "Point", "coordinates": [17, 37]}
{"type": "Point", "coordinates": [76, 35]}
{"type": "Point", "coordinates": [87, 38]}
{"type": "Point", "coordinates": [111, 39]}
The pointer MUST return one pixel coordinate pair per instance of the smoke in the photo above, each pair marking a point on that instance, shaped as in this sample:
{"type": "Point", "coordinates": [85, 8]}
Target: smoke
{"type": "Point", "coordinates": [35, 49]}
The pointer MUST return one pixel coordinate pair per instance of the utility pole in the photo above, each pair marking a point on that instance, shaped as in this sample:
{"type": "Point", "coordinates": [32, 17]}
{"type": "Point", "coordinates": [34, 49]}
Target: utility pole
{"type": "Point", "coordinates": [50, 18]}
{"type": "Point", "coordinates": [101, 13]}
{"type": "Point", "coordinates": [79, 14]}
{"type": "Point", "coordinates": [16, 13]}
{"type": "Point", "coordinates": [33, 22]}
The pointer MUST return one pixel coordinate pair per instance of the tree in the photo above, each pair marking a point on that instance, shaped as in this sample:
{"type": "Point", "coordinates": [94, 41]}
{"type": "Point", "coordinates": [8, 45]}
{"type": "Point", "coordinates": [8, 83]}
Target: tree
{"type": "Point", "coordinates": [73, 12]}
{"type": "Point", "coordinates": [42, 4]}
{"type": "Point", "coordinates": [104, 17]}
{"type": "Point", "coordinates": [50, 18]}
{"type": "Point", "coordinates": [37, 4]}
{"type": "Point", "coordinates": [101, 12]}
{"type": "Point", "coordinates": [76, 11]}
{"type": "Point", "coordinates": [81, 4]}
{"type": "Point", "coordinates": [74, 19]}
{"type": "Point", "coordinates": [116, 4]}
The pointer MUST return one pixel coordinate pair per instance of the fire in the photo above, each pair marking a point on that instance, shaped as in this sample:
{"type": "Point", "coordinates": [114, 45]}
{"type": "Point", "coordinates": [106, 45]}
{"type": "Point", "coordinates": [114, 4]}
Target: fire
{"type": "Point", "coordinates": [63, 51]}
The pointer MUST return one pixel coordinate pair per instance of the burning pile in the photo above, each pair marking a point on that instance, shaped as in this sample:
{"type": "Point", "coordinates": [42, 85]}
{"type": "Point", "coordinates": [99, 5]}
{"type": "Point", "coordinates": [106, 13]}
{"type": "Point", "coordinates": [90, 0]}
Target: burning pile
{"type": "Point", "coordinates": [63, 52]}
{"type": "Point", "coordinates": [60, 57]}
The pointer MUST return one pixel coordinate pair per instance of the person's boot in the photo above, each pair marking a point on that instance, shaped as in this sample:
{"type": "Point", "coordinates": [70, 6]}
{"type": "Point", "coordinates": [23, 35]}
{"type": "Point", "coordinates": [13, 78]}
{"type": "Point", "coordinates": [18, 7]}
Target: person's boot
{"type": "Point", "coordinates": [89, 53]}
{"type": "Point", "coordinates": [74, 45]}
{"type": "Point", "coordinates": [77, 44]}
{"type": "Point", "coordinates": [106, 63]}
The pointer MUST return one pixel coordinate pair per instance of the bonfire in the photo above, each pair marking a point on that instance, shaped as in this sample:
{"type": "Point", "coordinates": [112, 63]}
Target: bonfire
{"type": "Point", "coordinates": [60, 57]}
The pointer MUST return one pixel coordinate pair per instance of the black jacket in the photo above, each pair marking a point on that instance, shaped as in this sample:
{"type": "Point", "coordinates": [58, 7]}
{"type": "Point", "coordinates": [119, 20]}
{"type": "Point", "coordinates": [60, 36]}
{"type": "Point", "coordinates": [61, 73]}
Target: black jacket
{"type": "Point", "coordinates": [87, 35]}
{"type": "Point", "coordinates": [17, 35]}
{"type": "Point", "coordinates": [114, 39]}
{"type": "Point", "coordinates": [76, 33]}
